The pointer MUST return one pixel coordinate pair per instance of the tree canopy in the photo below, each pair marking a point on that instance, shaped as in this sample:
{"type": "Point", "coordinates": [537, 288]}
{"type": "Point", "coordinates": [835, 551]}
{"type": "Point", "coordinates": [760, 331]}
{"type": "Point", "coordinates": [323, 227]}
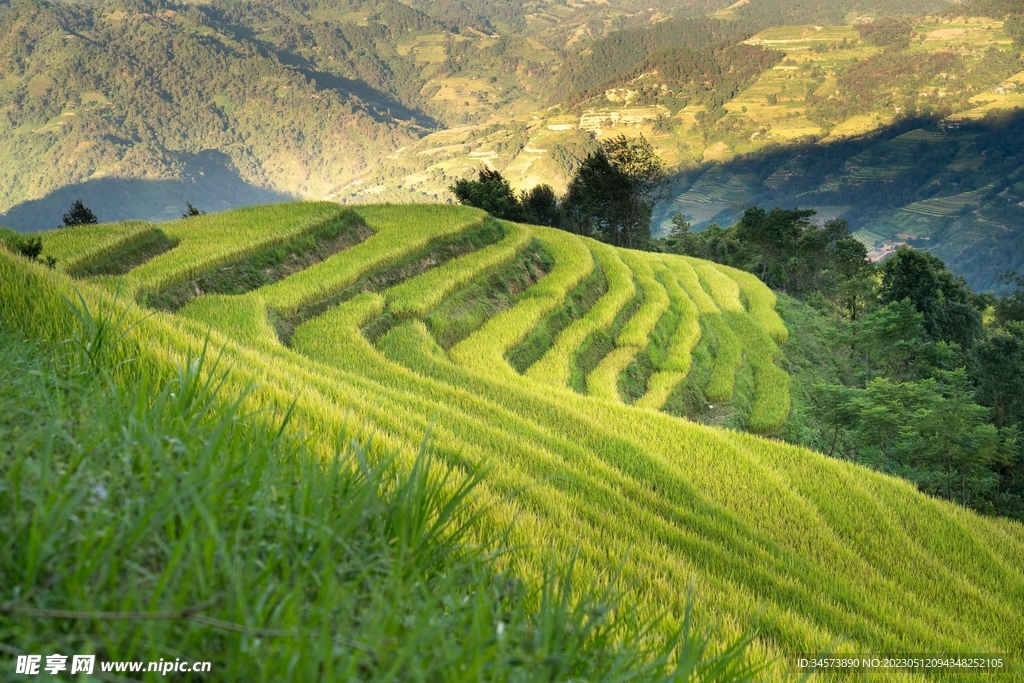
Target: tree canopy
{"type": "Point", "coordinates": [918, 386]}
{"type": "Point", "coordinates": [191, 211]}
{"type": "Point", "coordinates": [787, 250]}
{"type": "Point", "coordinates": [887, 31]}
{"type": "Point", "coordinates": [613, 192]}
{"type": "Point", "coordinates": [945, 301]}
{"type": "Point", "coordinates": [493, 193]}
{"type": "Point", "coordinates": [79, 214]}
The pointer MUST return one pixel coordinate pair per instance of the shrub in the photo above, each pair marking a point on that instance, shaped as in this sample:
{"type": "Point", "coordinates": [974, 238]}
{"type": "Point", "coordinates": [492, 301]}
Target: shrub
{"type": "Point", "coordinates": [29, 246]}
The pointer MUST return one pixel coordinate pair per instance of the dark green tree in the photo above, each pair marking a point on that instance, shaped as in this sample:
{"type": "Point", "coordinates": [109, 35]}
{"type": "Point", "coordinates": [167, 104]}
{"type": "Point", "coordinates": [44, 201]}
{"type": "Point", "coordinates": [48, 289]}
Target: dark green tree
{"type": "Point", "coordinates": [824, 260]}
{"type": "Point", "coordinates": [852, 274]}
{"type": "Point", "coordinates": [834, 413]}
{"type": "Point", "coordinates": [943, 299]}
{"type": "Point", "coordinates": [887, 342]}
{"type": "Point", "coordinates": [887, 31]}
{"type": "Point", "coordinates": [1014, 25]}
{"type": "Point", "coordinates": [680, 238]}
{"type": "Point", "coordinates": [959, 447]}
{"type": "Point", "coordinates": [880, 432]}
{"type": "Point", "coordinates": [613, 192]}
{"type": "Point", "coordinates": [490, 192]}
{"type": "Point", "coordinates": [931, 432]}
{"type": "Point", "coordinates": [592, 195]}
{"type": "Point", "coordinates": [29, 246]}
{"type": "Point", "coordinates": [1010, 308]}
{"type": "Point", "coordinates": [911, 274]}
{"type": "Point", "coordinates": [191, 211]}
{"type": "Point", "coordinates": [713, 243]}
{"type": "Point", "coordinates": [540, 206]}
{"type": "Point", "coordinates": [776, 234]}
{"type": "Point", "coordinates": [79, 214]}
{"type": "Point", "coordinates": [999, 374]}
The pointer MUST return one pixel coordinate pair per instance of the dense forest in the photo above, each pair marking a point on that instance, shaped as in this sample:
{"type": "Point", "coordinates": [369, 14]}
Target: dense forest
{"type": "Point", "coordinates": [775, 12]}
{"type": "Point", "coordinates": [896, 80]}
{"type": "Point", "coordinates": [676, 77]}
{"type": "Point", "coordinates": [612, 58]}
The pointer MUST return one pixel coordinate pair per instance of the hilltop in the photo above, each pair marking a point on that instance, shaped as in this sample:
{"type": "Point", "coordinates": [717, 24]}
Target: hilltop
{"type": "Point", "coordinates": [555, 362]}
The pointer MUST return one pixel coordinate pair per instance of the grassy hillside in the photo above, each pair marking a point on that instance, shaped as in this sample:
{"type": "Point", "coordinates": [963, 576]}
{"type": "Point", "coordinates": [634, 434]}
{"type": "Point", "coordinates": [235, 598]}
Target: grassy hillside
{"type": "Point", "coordinates": [807, 550]}
{"type": "Point", "coordinates": [176, 467]}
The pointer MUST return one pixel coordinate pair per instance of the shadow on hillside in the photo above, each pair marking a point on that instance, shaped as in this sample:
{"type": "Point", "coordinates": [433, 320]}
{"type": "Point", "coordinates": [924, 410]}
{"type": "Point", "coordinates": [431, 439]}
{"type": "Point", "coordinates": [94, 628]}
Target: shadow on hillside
{"type": "Point", "coordinates": [383, 107]}
{"type": "Point", "coordinates": [210, 182]}
{"type": "Point", "coordinates": [954, 188]}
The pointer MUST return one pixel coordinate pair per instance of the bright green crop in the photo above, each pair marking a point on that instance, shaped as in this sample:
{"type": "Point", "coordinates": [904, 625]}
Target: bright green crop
{"type": "Point", "coordinates": [760, 303]}
{"type": "Point", "coordinates": [687, 334]}
{"type": "Point", "coordinates": [77, 245]}
{"type": "Point", "coordinates": [553, 367]}
{"type": "Point", "coordinates": [418, 296]}
{"type": "Point", "coordinates": [815, 550]}
{"type": "Point", "coordinates": [637, 330]}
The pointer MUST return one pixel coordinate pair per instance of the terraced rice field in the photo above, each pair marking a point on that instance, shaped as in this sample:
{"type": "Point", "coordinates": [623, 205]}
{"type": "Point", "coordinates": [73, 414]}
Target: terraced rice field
{"type": "Point", "coordinates": [809, 552]}
{"type": "Point", "coordinates": [712, 193]}
{"type": "Point", "coordinates": [945, 206]}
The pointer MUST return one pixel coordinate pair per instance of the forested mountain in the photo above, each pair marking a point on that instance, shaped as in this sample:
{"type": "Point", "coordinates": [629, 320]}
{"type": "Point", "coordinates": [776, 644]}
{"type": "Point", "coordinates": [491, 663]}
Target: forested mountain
{"type": "Point", "coordinates": [679, 77]}
{"type": "Point", "coordinates": [788, 12]}
{"type": "Point", "coordinates": [956, 190]}
{"type": "Point", "coordinates": [139, 106]}
{"type": "Point", "coordinates": [129, 90]}
{"type": "Point", "coordinates": [618, 54]}
{"type": "Point", "coordinates": [303, 97]}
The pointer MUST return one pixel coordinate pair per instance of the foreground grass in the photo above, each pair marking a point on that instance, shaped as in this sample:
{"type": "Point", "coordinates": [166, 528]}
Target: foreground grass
{"type": "Point", "coordinates": [272, 564]}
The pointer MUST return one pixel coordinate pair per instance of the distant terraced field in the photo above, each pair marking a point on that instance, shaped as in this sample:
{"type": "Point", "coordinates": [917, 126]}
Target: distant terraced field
{"type": "Point", "coordinates": [555, 360]}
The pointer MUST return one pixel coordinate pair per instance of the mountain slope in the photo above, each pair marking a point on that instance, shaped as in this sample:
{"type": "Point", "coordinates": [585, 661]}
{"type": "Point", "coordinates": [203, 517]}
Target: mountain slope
{"type": "Point", "coordinates": [794, 116]}
{"type": "Point", "coordinates": [809, 547]}
{"type": "Point", "coordinates": [303, 99]}
{"type": "Point", "coordinates": [142, 106]}
{"type": "Point", "coordinates": [788, 12]}
{"type": "Point", "coordinates": [94, 90]}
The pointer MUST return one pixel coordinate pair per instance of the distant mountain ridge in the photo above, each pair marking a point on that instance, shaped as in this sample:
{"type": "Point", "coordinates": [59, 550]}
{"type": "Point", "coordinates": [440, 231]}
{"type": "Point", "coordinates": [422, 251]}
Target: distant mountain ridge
{"type": "Point", "coordinates": [303, 97]}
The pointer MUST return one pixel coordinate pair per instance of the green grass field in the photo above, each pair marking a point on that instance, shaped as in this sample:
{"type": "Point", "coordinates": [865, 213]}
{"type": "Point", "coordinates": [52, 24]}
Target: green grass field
{"type": "Point", "coordinates": [805, 552]}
